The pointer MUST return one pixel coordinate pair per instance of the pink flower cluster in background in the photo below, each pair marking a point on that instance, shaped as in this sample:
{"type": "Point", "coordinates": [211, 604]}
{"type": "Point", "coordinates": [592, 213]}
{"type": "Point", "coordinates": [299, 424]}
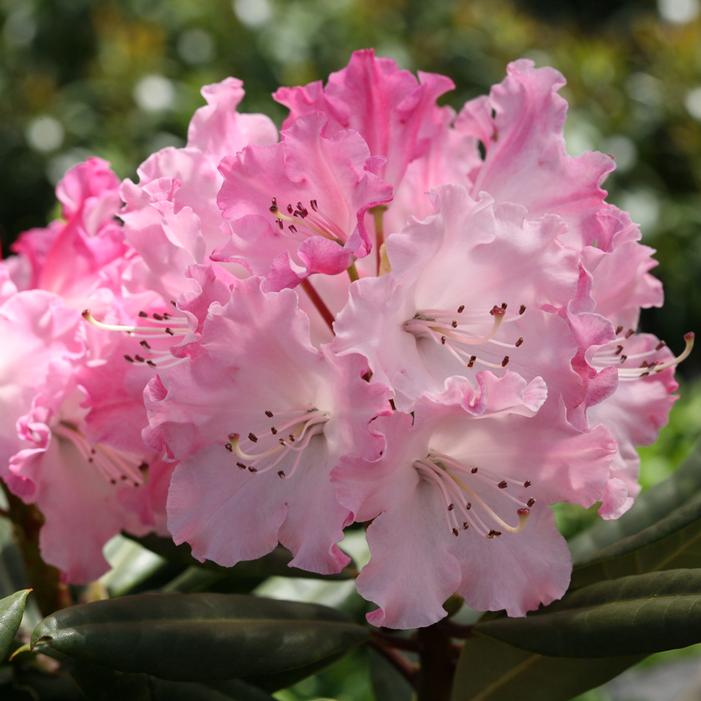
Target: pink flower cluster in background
{"type": "Point", "coordinates": [386, 313]}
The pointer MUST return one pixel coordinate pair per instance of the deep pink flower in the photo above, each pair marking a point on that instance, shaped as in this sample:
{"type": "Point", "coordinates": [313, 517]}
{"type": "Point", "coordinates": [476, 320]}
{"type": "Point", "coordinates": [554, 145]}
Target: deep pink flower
{"type": "Point", "coordinates": [395, 113]}
{"type": "Point", "coordinates": [298, 207]}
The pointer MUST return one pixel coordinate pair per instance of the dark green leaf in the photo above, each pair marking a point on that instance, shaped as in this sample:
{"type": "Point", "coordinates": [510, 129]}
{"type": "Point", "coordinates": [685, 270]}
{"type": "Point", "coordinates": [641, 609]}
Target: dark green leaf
{"type": "Point", "coordinates": [387, 683]}
{"type": "Point", "coordinates": [101, 684]}
{"type": "Point", "coordinates": [489, 670]}
{"type": "Point", "coordinates": [670, 543]}
{"type": "Point", "coordinates": [11, 612]}
{"type": "Point", "coordinates": [652, 506]}
{"type": "Point", "coordinates": [199, 637]}
{"type": "Point", "coordinates": [634, 615]}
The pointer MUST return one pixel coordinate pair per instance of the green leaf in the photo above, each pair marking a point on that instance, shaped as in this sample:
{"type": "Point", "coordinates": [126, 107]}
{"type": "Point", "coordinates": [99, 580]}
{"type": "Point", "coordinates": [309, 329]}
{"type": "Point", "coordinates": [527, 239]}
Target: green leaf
{"type": "Point", "coordinates": [671, 543]}
{"type": "Point", "coordinates": [387, 683]}
{"type": "Point", "coordinates": [634, 615]}
{"type": "Point", "coordinates": [102, 684]}
{"type": "Point", "coordinates": [651, 507]}
{"type": "Point", "coordinates": [11, 612]}
{"type": "Point", "coordinates": [489, 670]}
{"type": "Point", "coordinates": [199, 637]}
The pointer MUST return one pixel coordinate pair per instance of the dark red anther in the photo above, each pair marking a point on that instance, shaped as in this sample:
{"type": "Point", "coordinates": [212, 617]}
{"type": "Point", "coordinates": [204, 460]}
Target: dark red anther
{"type": "Point", "coordinates": [269, 413]}
{"type": "Point", "coordinates": [624, 357]}
{"type": "Point", "coordinates": [169, 331]}
{"type": "Point", "coordinates": [443, 340]}
{"type": "Point", "coordinates": [313, 204]}
{"type": "Point", "coordinates": [454, 324]}
{"type": "Point", "coordinates": [252, 437]}
{"type": "Point", "coordinates": [290, 209]}
{"type": "Point", "coordinates": [150, 363]}
{"type": "Point", "coordinates": [471, 361]}
{"type": "Point", "coordinates": [252, 469]}
{"type": "Point", "coordinates": [145, 344]}
{"type": "Point", "coordinates": [455, 532]}
{"type": "Point", "coordinates": [522, 309]}
{"type": "Point", "coordinates": [530, 502]}
{"type": "Point", "coordinates": [143, 315]}
{"type": "Point", "coordinates": [279, 224]}
{"type": "Point", "coordinates": [292, 228]}
{"type": "Point", "coordinates": [157, 317]}
{"type": "Point", "coordinates": [618, 330]}
{"type": "Point", "coordinates": [629, 333]}
{"type": "Point", "coordinates": [281, 474]}
{"type": "Point", "coordinates": [138, 359]}
{"type": "Point", "coordinates": [519, 342]}
{"type": "Point", "coordinates": [241, 465]}
{"type": "Point", "coordinates": [229, 447]}
{"type": "Point", "coordinates": [505, 361]}
{"type": "Point", "coordinates": [465, 525]}
{"type": "Point", "coordinates": [474, 470]}
{"type": "Point", "coordinates": [619, 350]}
{"type": "Point", "coordinates": [461, 309]}
{"type": "Point", "coordinates": [468, 506]}
{"type": "Point", "coordinates": [129, 359]}
{"type": "Point", "coordinates": [451, 507]}
{"type": "Point", "coordinates": [527, 484]}
{"type": "Point", "coordinates": [503, 484]}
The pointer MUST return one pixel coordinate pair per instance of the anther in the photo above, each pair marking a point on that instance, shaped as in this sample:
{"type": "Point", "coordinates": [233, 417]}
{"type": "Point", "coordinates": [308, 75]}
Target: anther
{"type": "Point", "coordinates": [269, 413]}
{"type": "Point", "coordinates": [530, 502]}
{"type": "Point", "coordinates": [474, 470]}
{"type": "Point", "coordinates": [157, 317]}
{"type": "Point", "coordinates": [273, 430]}
{"type": "Point", "coordinates": [451, 507]}
{"type": "Point", "coordinates": [660, 345]}
{"type": "Point", "coordinates": [503, 484]}
{"type": "Point", "coordinates": [313, 204]}
{"type": "Point", "coordinates": [150, 363]}
{"type": "Point", "coordinates": [505, 361]}
{"type": "Point", "coordinates": [169, 331]}
{"type": "Point", "coordinates": [519, 342]}
{"type": "Point", "coordinates": [618, 330]}
{"type": "Point", "coordinates": [461, 309]}
{"type": "Point", "coordinates": [145, 344]}
{"type": "Point", "coordinates": [454, 324]}
{"type": "Point", "coordinates": [629, 333]}
{"type": "Point", "coordinates": [143, 315]}
{"type": "Point", "coordinates": [129, 359]}
{"type": "Point", "coordinates": [471, 361]}
{"type": "Point", "coordinates": [527, 484]}
{"type": "Point", "coordinates": [252, 469]}
{"type": "Point", "coordinates": [281, 474]}
{"type": "Point", "coordinates": [229, 447]}
{"type": "Point", "coordinates": [443, 340]}
{"type": "Point", "coordinates": [619, 349]}
{"type": "Point", "coordinates": [455, 531]}
{"type": "Point", "coordinates": [522, 309]}
{"type": "Point", "coordinates": [624, 357]}
{"type": "Point", "coordinates": [241, 465]}
{"type": "Point", "coordinates": [465, 525]}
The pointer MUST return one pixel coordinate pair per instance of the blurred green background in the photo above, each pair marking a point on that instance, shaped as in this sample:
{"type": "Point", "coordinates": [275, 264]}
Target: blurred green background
{"type": "Point", "coordinates": [121, 79]}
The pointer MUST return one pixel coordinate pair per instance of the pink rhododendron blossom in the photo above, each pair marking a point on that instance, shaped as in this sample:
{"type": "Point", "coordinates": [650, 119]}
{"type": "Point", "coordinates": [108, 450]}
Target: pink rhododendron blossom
{"type": "Point", "coordinates": [298, 207]}
{"type": "Point", "coordinates": [460, 350]}
{"type": "Point", "coordinates": [467, 291]}
{"type": "Point", "coordinates": [249, 469]}
{"type": "Point", "coordinates": [459, 498]}
{"type": "Point", "coordinates": [395, 113]}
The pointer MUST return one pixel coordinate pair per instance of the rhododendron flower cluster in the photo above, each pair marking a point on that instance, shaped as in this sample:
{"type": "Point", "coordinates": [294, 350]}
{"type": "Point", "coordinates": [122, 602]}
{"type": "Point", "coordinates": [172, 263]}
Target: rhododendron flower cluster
{"type": "Point", "coordinates": [388, 313]}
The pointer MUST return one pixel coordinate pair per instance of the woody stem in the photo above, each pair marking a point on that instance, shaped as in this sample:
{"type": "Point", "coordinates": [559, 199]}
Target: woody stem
{"type": "Point", "coordinates": [437, 664]}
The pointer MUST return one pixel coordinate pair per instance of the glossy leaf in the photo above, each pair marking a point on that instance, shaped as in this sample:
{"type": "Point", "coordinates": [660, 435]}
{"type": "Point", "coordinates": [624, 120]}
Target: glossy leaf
{"type": "Point", "coordinates": [672, 542]}
{"type": "Point", "coordinates": [199, 637]}
{"type": "Point", "coordinates": [387, 683]}
{"type": "Point", "coordinates": [11, 612]}
{"type": "Point", "coordinates": [651, 507]}
{"type": "Point", "coordinates": [102, 684]}
{"type": "Point", "coordinates": [490, 670]}
{"type": "Point", "coordinates": [634, 615]}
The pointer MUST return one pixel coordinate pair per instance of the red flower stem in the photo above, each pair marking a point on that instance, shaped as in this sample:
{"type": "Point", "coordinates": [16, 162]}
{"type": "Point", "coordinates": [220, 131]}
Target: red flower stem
{"type": "Point", "coordinates": [319, 303]}
{"type": "Point", "coordinates": [407, 669]}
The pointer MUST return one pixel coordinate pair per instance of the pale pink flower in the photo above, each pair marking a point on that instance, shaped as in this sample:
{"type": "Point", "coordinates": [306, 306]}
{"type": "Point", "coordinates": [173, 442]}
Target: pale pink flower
{"type": "Point", "coordinates": [171, 216]}
{"type": "Point", "coordinates": [459, 500]}
{"type": "Point", "coordinates": [470, 288]}
{"type": "Point", "coordinates": [258, 419]}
